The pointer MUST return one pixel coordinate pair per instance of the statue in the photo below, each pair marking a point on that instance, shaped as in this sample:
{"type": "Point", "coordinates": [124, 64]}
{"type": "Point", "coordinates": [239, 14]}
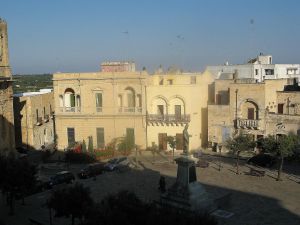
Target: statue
{"type": "Point", "coordinates": [186, 140]}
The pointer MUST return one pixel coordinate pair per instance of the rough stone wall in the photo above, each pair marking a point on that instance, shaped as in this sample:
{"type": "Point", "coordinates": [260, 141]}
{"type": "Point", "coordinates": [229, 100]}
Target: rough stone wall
{"type": "Point", "coordinates": [7, 140]}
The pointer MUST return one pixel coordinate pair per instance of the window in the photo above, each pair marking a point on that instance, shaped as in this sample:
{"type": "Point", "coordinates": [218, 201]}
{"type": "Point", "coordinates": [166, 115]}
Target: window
{"type": "Point", "coordinates": [71, 136]}
{"type": "Point", "coordinates": [269, 71]}
{"type": "Point", "coordinates": [78, 102]}
{"type": "Point", "coordinates": [250, 113]}
{"type": "Point", "coordinates": [160, 110]}
{"type": "Point", "coordinates": [37, 115]}
{"type": "Point", "coordinates": [256, 71]}
{"type": "Point", "coordinates": [100, 137]}
{"type": "Point", "coordinates": [177, 112]}
{"type": "Point", "coordinates": [98, 97]}
{"type": "Point", "coordinates": [130, 137]}
{"type": "Point", "coordinates": [280, 108]}
{"type": "Point", "coordinates": [61, 101]}
{"type": "Point", "coordinates": [161, 82]}
{"type": "Point", "coordinates": [170, 82]}
{"type": "Point", "coordinates": [291, 71]}
{"type": "Point", "coordinates": [193, 79]}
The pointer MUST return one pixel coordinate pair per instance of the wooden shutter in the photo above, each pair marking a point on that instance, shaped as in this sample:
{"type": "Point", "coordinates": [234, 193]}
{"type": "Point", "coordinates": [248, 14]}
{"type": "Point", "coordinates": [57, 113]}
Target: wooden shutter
{"type": "Point", "coordinates": [250, 113]}
{"type": "Point", "coordinates": [130, 137]}
{"type": "Point", "coordinates": [179, 141]}
{"type": "Point", "coordinates": [280, 108]}
{"type": "Point", "coordinates": [71, 136]}
{"type": "Point", "coordinates": [162, 141]}
{"type": "Point", "coordinates": [100, 137]}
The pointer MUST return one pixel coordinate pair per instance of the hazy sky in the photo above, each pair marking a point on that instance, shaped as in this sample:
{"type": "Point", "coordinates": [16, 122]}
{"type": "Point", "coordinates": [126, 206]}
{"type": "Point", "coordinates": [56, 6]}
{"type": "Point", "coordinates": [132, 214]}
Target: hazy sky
{"type": "Point", "coordinates": [76, 35]}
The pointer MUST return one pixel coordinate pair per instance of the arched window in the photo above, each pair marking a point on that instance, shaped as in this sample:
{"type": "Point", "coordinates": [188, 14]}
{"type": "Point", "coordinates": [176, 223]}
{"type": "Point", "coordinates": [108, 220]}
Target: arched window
{"type": "Point", "coordinates": [130, 94]}
{"type": "Point", "coordinates": [69, 99]}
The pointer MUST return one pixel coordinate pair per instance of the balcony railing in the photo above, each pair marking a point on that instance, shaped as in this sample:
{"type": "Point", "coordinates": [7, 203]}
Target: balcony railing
{"type": "Point", "coordinates": [246, 123]}
{"type": "Point", "coordinates": [130, 110]}
{"type": "Point", "coordinates": [98, 109]}
{"type": "Point", "coordinates": [69, 109]}
{"type": "Point", "coordinates": [169, 118]}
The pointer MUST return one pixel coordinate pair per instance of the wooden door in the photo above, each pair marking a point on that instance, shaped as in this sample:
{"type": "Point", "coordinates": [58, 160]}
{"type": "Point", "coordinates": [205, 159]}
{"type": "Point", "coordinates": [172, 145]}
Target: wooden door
{"type": "Point", "coordinates": [162, 141]}
{"type": "Point", "coordinates": [179, 141]}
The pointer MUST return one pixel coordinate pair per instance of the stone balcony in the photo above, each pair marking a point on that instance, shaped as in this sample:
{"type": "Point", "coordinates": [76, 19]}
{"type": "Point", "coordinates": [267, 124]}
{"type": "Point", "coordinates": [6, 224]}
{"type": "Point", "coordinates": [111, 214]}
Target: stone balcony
{"type": "Point", "coordinates": [247, 124]}
{"type": "Point", "coordinates": [168, 118]}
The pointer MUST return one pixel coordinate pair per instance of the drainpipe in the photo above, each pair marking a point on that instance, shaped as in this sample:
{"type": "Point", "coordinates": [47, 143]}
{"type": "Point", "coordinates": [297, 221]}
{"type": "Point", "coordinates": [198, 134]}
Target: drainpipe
{"type": "Point", "coordinates": [236, 109]}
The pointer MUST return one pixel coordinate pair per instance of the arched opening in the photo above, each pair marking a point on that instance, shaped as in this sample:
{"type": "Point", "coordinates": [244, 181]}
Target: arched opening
{"type": "Point", "coordinates": [69, 98]}
{"type": "Point", "coordinates": [249, 110]}
{"type": "Point", "coordinates": [130, 97]}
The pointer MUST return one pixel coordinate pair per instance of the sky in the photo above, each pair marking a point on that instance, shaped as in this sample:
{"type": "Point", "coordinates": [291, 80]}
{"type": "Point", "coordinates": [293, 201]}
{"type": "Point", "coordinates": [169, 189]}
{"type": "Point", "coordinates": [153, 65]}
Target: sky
{"type": "Point", "coordinates": [47, 36]}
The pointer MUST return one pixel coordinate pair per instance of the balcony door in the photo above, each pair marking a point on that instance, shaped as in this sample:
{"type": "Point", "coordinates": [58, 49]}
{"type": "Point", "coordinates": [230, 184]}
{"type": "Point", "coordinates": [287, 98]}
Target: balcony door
{"type": "Point", "coordinates": [250, 113]}
{"type": "Point", "coordinates": [177, 112]}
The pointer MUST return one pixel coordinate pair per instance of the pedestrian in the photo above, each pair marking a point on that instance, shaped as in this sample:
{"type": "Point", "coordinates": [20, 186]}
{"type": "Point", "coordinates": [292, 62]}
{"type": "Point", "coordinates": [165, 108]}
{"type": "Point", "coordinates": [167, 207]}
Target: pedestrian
{"type": "Point", "coordinates": [162, 184]}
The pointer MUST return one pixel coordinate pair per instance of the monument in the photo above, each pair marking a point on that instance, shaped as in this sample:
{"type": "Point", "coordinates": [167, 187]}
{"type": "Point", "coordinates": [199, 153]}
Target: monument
{"type": "Point", "coordinates": [186, 193]}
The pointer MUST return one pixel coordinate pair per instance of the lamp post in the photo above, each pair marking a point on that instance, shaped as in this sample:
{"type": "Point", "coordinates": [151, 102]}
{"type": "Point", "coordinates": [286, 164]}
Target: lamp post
{"type": "Point", "coordinates": [236, 108]}
{"type": "Point", "coordinates": [220, 148]}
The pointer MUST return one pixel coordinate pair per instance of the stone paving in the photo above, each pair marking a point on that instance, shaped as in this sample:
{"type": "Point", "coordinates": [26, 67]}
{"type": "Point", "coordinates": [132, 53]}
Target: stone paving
{"type": "Point", "coordinates": [254, 200]}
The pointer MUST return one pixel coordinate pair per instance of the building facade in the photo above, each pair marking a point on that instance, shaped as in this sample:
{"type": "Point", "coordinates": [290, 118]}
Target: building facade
{"type": "Point", "coordinates": [34, 121]}
{"type": "Point", "coordinates": [259, 69]}
{"type": "Point", "coordinates": [258, 109]}
{"type": "Point", "coordinates": [174, 100]}
{"type": "Point", "coordinates": [100, 107]}
{"type": "Point", "coordinates": [6, 99]}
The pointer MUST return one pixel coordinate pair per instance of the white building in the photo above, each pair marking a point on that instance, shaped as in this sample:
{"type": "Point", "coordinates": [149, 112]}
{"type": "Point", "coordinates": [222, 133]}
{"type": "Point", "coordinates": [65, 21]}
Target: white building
{"type": "Point", "coordinates": [259, 68]}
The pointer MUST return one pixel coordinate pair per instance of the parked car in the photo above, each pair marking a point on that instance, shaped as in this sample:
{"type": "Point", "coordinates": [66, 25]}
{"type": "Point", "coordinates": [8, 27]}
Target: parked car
{"type": "Point", "coordinates": [116, 164]}
{"type": "Point", "coordinates": [63, 177]}
{"type": "Point", "coordinates": [263, 160]}
{"type": "Point", "coordinates": [91, 170]}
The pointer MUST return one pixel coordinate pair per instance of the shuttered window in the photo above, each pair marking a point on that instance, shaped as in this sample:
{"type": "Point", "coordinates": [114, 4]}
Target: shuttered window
{"type": "Point", "coordinates": [100, 137]}
{"type": "Point", "coordinates": [71, 136]}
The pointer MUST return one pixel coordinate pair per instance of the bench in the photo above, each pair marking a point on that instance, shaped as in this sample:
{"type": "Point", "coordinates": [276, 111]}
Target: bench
{"type": "Point", "coordinates": [258, 173]}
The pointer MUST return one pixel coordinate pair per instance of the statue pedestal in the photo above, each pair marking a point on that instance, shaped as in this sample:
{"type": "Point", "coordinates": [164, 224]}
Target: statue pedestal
{"type": "Point", "coordinates": [187, 194]}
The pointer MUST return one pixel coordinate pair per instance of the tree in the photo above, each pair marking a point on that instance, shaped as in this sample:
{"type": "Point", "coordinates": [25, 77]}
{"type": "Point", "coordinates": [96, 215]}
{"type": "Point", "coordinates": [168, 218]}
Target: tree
{"type": "Point", "coordinates": [172, 143]}
{"type": "Point", "coordinates": [73, 201]}
{"type": "Point", "coordinates": [17, 177]}
{"type": "Point", "coordinates": [282, 147]}
{"type": "Point", "coordinates": [241, 142]}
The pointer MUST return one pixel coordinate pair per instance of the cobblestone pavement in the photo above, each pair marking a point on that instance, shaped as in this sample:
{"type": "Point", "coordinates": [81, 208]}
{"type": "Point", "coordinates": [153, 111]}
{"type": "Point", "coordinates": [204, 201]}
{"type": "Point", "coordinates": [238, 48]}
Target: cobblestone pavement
{"type": "Point", "coordinates": [254, 200]}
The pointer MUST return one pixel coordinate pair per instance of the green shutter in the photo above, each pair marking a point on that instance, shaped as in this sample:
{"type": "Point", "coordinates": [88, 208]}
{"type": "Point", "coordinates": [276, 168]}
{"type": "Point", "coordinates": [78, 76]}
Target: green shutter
{"type": "Point", "coordinates": [130, 137]}
{"type": "Point", "coordinates": [72, 100]}
{"type": "Point", "coordinates": [100, 137]}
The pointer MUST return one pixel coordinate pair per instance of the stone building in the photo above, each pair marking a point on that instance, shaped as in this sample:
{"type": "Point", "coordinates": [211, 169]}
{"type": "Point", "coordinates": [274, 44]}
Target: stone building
{"type": "Point", "coordinates": [6, 100]}
{"type": "Point", "coordinates": [174, 100]}
{"type": "Point", "coordinates": [34, 121]}
{"type": "Point", "coordinates": [259, 109]}
{"type": "Point", "coordinates": [258, 68]}
{"type": "Point", "coordinates": [99, 107]}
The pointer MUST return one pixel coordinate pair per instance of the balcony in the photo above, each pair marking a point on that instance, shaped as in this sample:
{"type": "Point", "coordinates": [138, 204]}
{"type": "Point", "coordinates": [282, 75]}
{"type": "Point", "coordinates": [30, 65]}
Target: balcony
{"type": "Point", "coordinates": [69, 109]}
{"type": "Point", "coordinates": [130, 110]}
{"type": "Point", "coordinates": [169, 118]}
{"type": "Point", "coordinates": [99, 109]}
{"type": "Point", "coordinates": [247, 124]}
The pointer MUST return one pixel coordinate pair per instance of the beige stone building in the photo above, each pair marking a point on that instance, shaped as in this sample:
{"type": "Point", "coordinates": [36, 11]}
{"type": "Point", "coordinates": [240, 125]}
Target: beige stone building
{"type": "Point", "coordinates": [174, 100]}
{"type": "Point", "coordinates": [33, 112]}
{"type": "Point", "coordinates": [6, 100]}
{"type": "Point", "coordinates": [259, 109]}
{"type": "Point", "coordinates": [100, 106]}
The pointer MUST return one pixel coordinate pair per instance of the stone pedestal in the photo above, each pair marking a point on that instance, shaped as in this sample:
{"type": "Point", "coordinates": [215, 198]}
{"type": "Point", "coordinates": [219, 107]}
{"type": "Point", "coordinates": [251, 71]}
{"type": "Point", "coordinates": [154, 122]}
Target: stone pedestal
{"type": "Point", "coordinates": [187, 194]}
